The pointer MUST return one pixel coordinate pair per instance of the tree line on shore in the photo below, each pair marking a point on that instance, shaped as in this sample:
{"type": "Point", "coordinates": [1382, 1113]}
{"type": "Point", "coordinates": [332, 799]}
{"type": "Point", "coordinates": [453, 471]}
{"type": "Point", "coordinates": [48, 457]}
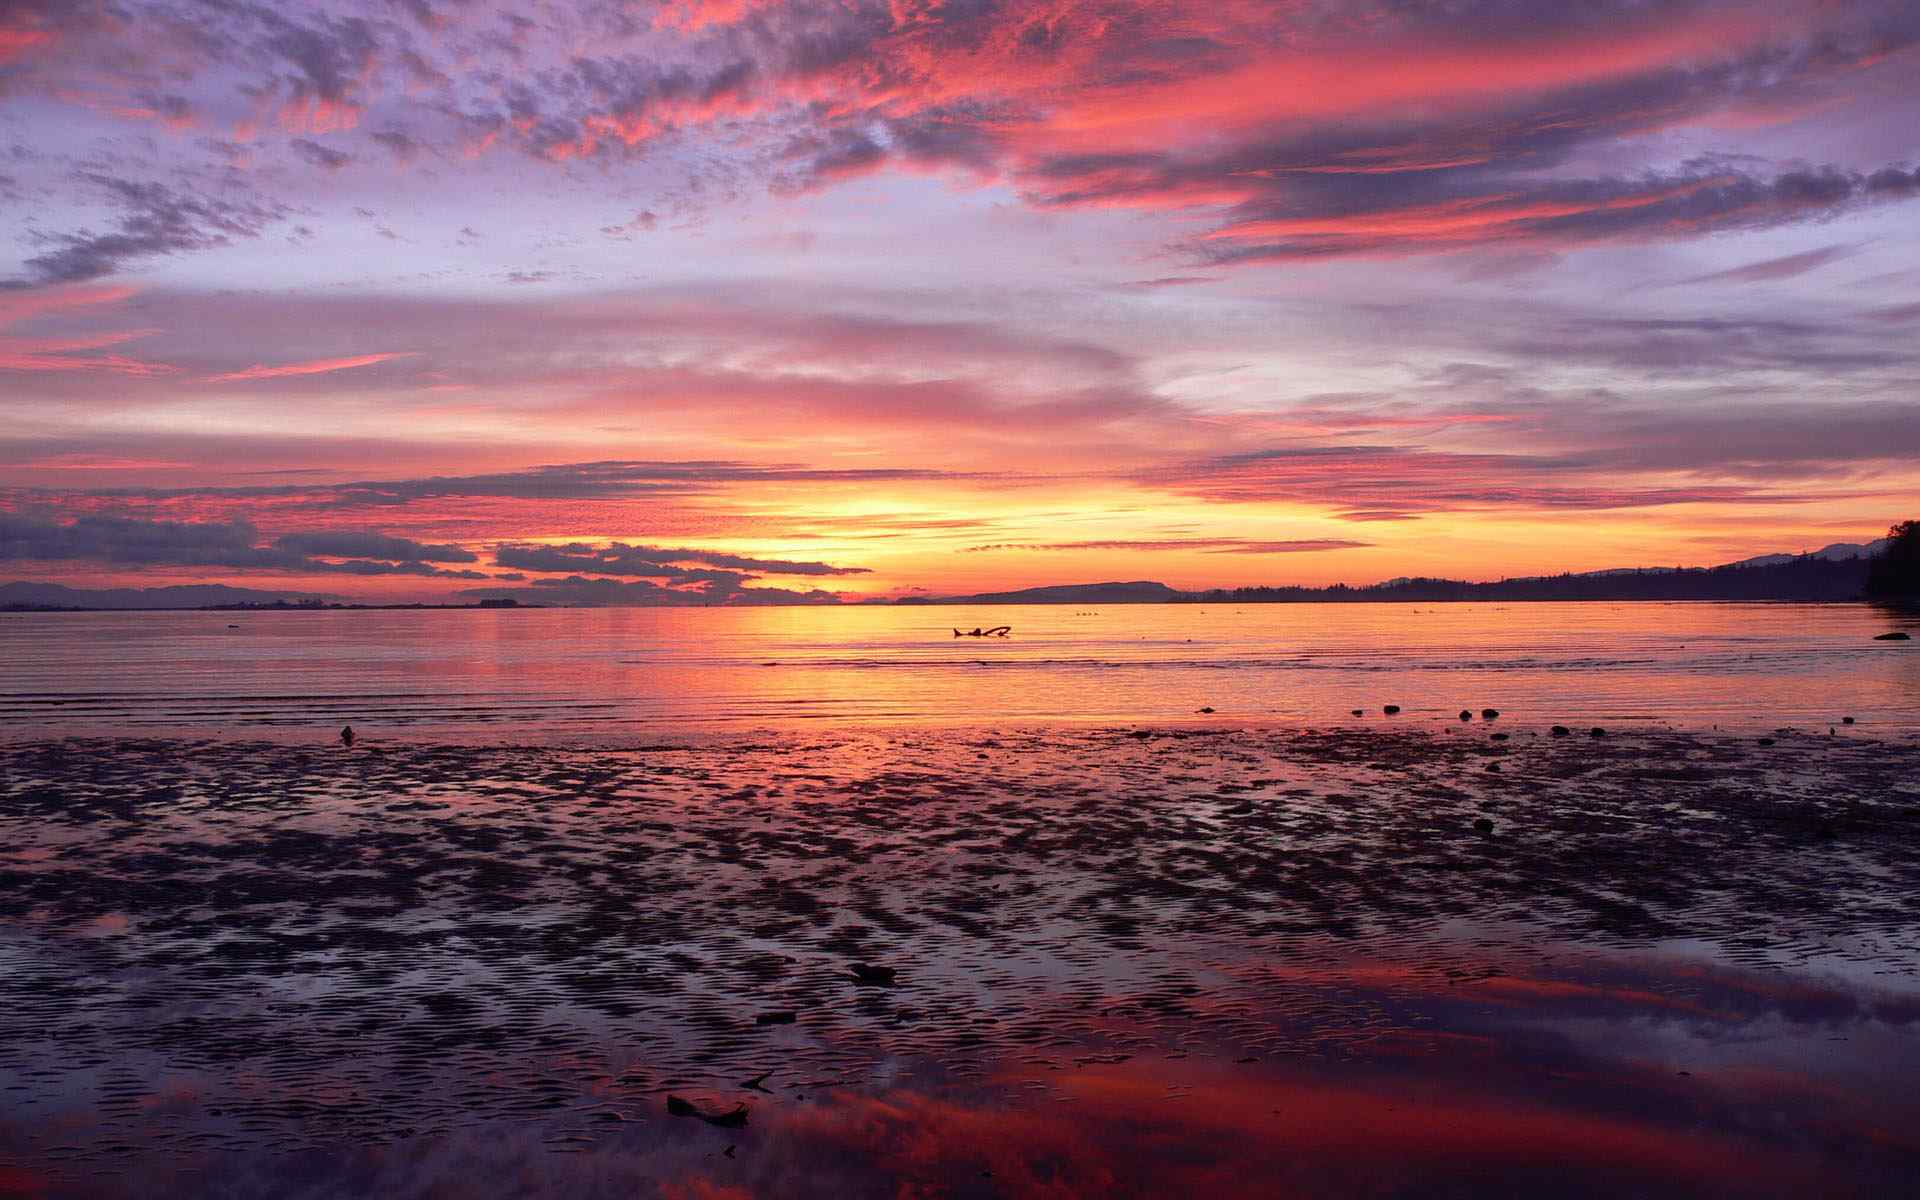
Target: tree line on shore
{"type": "Point", "coordinates": [1893, 574]}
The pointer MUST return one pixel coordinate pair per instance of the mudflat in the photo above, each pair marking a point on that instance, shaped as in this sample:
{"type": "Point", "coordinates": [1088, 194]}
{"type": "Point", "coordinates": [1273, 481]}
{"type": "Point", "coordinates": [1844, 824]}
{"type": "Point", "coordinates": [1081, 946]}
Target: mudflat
{"type": "Point", "coordinates": [1032, 962]}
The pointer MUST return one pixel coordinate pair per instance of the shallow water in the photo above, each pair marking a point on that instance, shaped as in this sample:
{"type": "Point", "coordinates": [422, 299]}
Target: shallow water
{"type": "Point", "coordinates": [558, 673]}
{"type": "Point", "coordinates": [1600, 1078]}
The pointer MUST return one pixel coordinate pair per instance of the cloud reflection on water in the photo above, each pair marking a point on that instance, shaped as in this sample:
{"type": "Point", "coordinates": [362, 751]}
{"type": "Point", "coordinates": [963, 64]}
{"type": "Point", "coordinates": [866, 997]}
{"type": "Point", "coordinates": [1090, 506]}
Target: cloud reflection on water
{"type": "Point", "coordinates": [1494, 1081]}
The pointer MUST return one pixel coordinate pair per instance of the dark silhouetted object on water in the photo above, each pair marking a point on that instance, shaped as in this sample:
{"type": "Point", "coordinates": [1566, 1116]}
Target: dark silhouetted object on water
{"type": "Point", "coordinates": [346, 736]}
{"type": "Point", "coordinates": [1893, 637]}
{"type": "Point", "coordinates": [1391, 709]}
{"type": "Point", "coordinates": [1895, 572]}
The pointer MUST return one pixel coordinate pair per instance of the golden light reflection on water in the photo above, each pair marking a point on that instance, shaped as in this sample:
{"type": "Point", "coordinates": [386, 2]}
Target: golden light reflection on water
{"type": "Point", "coordinates": [557, 672]}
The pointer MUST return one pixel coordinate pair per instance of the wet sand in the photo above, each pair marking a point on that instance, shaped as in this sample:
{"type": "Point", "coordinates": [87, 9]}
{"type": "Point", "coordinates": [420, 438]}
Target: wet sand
{"type": "Point", "coordinates": [1255, 960]}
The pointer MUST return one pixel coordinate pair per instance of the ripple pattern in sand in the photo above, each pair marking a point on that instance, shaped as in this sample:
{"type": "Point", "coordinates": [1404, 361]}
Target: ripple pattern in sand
{"type": "Point", "coordinates": [268, 946]}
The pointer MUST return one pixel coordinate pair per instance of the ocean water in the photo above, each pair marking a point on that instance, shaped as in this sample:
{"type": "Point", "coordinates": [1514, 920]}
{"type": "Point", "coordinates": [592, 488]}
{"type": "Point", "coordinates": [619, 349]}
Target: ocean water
{"type": "Point", "coordinates": [556, 674]}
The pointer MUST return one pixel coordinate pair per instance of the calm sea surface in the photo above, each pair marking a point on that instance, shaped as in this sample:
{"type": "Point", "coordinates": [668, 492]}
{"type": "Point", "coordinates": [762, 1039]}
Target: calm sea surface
{"type": "Point", "coordinates": [558, 673]}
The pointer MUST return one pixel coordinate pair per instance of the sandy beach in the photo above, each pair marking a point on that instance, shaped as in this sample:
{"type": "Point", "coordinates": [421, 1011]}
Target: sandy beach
{"type": "Point", "coordinates": [1684, 960]}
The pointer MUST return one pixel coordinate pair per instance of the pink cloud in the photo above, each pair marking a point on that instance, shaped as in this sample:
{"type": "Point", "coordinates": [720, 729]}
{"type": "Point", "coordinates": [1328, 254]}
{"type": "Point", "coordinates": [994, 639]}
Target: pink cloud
{"type": "Point", "coordinates": [98, 462]}
{"type": "Point", "coordinates": [694, 15]}
{"type": "Point", "coordinates": [68, 354]}
{"type": "Point", "coordinates": [176, 116]}
{"type": "Point", "coordinates": [16, 40]}
{"type": "Point", "coordinates": [317, 114]}
{"type": "Point", "coordinates": [23, 305]}
{"type": "Point", "coordinates": [317, 367]}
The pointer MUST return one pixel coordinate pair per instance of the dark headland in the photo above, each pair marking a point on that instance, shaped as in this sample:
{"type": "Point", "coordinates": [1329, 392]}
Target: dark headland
{"type": "Point", "coordinates": [1837, 573]}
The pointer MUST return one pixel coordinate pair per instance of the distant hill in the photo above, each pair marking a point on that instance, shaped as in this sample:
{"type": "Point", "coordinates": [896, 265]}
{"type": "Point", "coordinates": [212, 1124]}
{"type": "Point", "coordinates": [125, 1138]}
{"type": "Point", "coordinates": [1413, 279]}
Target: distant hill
{"type": "Point", "coordinates": [1838, 552]}
{"type": "Point", "coordinates": [1836, 572]}
{"type": "Point", "coordinates": [1806, 579]}
{"type": "Point", "coordinates": [191, 595]}
{"type": "Point", "coordinates": [1141, 592]}
{"type": "Point", "coordinates": [1810, 577]}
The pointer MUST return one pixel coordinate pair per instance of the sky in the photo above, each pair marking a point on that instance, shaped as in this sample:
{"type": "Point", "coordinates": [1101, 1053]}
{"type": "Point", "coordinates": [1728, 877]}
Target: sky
{"type": "Point", "coordinates": [771, 301]}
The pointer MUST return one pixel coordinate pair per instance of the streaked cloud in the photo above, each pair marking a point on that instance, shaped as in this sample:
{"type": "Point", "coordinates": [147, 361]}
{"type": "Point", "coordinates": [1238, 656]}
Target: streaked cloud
{"type": "Point", "coordinates": [716, 588]}
{"type": "Point", "coordinates": [131, 542]}
{"type": "Point", "coordinates": [651, 561]}
{"type": "Point", "coordinates": [153, 219]}
{"type": "Point", "coordinates": [1787, 266]}
{"type": "Point", "coordinates": [1202, 545]}
{"type": "Point", "coordinates": [288, 370]}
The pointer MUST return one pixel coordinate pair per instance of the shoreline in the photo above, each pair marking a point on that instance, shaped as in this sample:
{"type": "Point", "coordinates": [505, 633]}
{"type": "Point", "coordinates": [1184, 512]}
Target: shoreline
{"type": "Point", "coordinates": [719, 734]}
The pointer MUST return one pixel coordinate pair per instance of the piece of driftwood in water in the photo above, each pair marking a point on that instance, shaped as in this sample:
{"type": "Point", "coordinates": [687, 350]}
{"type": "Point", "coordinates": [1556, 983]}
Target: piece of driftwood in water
{"type": "Point", "coordinates": [996, 631]}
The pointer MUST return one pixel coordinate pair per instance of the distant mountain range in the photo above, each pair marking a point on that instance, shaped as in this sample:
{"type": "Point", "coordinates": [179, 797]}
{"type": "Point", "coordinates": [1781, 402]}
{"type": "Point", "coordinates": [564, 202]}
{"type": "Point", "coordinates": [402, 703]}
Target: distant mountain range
{"type": "Point", "coordinates": [1142, 592]}
{"type": "Point", "coordinates": [1836, 572]}
{"type": "Point", "coordinates": [1838, 552]}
